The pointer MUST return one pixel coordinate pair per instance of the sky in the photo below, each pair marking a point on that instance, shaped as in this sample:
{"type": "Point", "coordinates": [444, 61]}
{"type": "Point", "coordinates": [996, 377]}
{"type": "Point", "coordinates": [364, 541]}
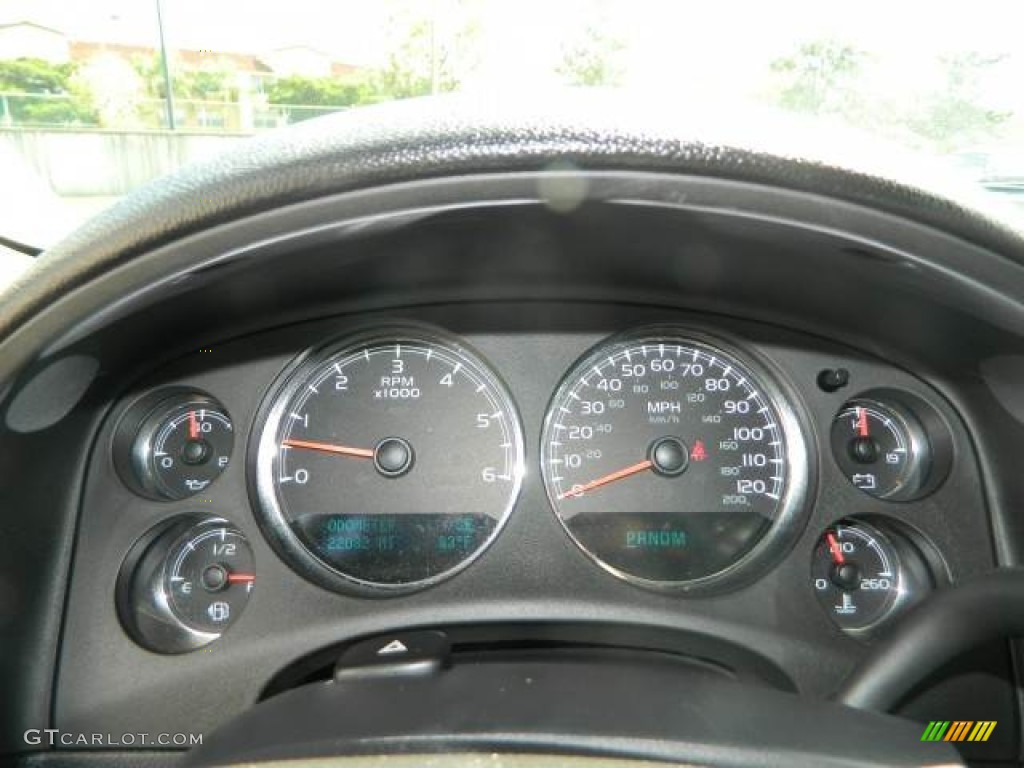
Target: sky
{"type": "Point", "coordinates": [697, 49]}
{"type": "Point", "coordinates": [352, 28]}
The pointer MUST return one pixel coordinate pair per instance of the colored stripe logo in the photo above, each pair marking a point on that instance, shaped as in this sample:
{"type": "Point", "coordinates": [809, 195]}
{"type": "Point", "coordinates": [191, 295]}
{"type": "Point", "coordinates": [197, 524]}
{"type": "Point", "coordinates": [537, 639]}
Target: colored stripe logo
{"type": "Point", "coordinates": [958, 730]}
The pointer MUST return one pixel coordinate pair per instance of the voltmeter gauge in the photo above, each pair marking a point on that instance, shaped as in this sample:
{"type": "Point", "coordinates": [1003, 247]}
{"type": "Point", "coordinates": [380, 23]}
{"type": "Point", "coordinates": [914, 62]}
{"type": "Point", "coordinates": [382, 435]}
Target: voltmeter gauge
{"type": "Point", "coordinates": [174, 446]}
{"type": "Point", "coordinates": [891, 445]}
{"type": "Point", "coordinates": [185, 582]}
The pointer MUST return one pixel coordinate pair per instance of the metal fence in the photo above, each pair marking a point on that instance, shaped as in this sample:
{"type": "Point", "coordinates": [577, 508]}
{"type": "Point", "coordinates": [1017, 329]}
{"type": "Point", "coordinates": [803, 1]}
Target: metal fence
{"type": "Point", "coordinates": [52, 111]}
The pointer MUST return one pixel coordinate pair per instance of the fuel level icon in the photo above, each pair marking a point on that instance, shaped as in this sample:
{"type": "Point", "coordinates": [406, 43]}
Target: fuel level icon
{"type": "Point", "coordinates": [185, 582]}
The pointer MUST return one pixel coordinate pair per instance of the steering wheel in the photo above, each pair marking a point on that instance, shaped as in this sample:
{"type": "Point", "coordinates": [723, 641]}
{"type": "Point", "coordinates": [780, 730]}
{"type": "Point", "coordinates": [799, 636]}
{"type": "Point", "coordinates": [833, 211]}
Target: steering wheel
{"type": "Point", "coordinates": [365, 161]}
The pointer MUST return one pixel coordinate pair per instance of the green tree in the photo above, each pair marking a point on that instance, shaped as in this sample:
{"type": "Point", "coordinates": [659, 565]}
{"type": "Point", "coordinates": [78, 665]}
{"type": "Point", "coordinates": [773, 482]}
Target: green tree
{"type": "Point", "coordinates": [591, 57]}
{"type": "Point", "coordinates": [820, 78]}
{"type": "Point", "coordinates": [35, 76]}
{"type": "Point", "coordinates": [199, 84]}
{"type": "Point", "coordinates": [292, 96]}
{"type": "Point", "coordinates": [954, 115]}
{"type": "Point", "coordinates": [205, 85]}
{"type": "Point", "coordinates": [203, 96]}
{"type": "Point", "coordinates": [433, 47]}
{"type": "Point", "coordinates": [417, 66]}
{"type": "Point", "coordinates": [312, 91]}
{"type": "Point", "coordinates": [41, 93]}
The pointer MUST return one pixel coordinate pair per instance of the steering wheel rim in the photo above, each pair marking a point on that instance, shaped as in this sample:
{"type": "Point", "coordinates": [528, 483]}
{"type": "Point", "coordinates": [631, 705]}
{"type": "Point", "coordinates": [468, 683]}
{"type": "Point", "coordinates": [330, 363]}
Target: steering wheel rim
{"type": "Point", "coordinates": [456, 135]}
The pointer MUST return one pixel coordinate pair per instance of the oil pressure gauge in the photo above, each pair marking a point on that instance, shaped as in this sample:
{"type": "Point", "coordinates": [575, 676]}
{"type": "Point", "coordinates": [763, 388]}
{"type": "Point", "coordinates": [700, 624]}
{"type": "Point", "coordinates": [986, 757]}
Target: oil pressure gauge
{"type": "Point", "coordinates": [174, 445]}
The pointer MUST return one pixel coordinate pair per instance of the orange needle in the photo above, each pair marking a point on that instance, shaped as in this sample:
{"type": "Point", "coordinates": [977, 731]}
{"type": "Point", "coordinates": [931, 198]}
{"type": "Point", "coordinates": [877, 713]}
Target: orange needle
{"type": "Point", "coordinates": [610, 478]}
{"type": "Point", "coordinates": [837, 551]}
{"type": "Point", "coordinates": [235, 578]}
{"type": "Point", "coordinates": [862, 422]}
{"type": "Point", "coordinates": [193, 427]}
{"type": "Point", "coordinates": [344, 450]}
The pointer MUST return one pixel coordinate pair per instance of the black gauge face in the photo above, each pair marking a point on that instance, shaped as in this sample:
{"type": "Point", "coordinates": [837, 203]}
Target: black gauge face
{"type": "Point", "coordinates": [209, 577]}
{"type": "Point", "coordinates": [181, 447]}
{"type": "Point", "coordinates": [882, 449]}
{"type": "Point", "coordinates": [389, 462]}
{"type": "Point", "coordinates": [184, 582]}
{"type": "Point", "coordinates": [669, 461]}
{"type": "Point", "coordinates": [857, 576]}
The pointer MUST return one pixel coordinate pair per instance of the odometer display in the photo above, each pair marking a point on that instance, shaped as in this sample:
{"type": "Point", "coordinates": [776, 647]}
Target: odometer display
{"type": "Point", "coordinates": [671, 462]}
{"type": "Point", "coordinates": [388, 462]}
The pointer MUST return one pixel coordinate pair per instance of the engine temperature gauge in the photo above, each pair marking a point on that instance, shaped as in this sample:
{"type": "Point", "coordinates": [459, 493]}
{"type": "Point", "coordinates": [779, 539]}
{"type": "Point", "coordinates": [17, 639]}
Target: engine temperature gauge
{"type": "Point", "coordinates": [863, 576]}
{"type": "Point", "coordinates": [857, 575]}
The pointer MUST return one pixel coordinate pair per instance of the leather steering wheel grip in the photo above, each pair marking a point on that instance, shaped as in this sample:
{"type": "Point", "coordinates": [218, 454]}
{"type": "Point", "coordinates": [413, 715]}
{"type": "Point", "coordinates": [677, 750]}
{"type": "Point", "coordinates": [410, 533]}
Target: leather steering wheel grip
{"type": "Point", "coordinates": [949, 623]}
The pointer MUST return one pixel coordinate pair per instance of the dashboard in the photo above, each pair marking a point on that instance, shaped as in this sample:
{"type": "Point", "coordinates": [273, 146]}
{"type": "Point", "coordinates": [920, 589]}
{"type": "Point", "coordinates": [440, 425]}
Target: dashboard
{"type": "Point", "coordinates": [422, 466]}
{"type": "Point", "coordinates": [653, 407]}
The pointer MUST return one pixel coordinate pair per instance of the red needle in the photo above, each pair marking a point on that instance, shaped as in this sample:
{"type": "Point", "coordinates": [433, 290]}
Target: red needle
{"type": "Point", "coordinates": [577, 491]}
{"type": "Point", "coordinates": [344, 450]}
{"type": "Point", "coordinates": [193, 425]}
{"type": "Point", "coordinates": [862, 422]}
{"type": "Point", "coordinates": [241, 578]}
{"type": "Point", "coordinates": [833, 545]}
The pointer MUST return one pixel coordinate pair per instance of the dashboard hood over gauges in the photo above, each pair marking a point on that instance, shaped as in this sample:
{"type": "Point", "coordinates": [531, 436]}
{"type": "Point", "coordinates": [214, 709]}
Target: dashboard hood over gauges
{"type": "Point", "coordinates": [468, 135]}
{"type": "Point", "coordinates": [592, 211]}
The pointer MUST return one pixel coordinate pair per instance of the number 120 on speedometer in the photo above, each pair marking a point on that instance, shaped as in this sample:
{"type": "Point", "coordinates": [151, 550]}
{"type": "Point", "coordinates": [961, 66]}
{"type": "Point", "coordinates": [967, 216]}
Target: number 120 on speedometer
{"type": "Point", "coordinates": [672, 462]}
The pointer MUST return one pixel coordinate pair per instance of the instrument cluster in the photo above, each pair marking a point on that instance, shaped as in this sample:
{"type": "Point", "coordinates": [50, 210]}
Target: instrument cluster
{"type": "Point", "coordinates": [386, 461]}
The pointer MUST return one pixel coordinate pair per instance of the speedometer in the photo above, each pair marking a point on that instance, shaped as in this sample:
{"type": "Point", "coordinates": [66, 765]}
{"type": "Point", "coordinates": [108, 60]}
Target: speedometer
{"type": "Point", "coordinates": [673, 462]}
{"type": "Point", "coordinates": [387, 462]}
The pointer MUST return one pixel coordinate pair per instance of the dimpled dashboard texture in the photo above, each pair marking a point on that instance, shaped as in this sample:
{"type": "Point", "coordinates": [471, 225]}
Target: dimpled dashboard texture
{"type": "Point", "coordinates": [182, 263]}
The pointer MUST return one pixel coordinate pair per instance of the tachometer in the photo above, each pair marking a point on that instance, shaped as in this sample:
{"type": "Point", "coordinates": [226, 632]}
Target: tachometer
{"type": "Point", "coordinates": [388, 462]}
{"type": "Point", "coordinates": [672, 462]}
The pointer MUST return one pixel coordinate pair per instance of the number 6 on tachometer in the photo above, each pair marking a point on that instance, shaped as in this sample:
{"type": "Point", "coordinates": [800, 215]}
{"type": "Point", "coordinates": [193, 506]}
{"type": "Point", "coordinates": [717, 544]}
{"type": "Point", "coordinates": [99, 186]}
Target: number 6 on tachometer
{"type": "Point", "coordinates": [387, 462]}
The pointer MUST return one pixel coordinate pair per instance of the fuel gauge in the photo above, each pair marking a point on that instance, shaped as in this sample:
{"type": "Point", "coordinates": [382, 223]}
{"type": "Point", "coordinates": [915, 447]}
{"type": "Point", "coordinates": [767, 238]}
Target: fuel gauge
{"type": "Point", "coordinates": [209, 576]}
{"type": "Point", "coordinates": [185, 582]}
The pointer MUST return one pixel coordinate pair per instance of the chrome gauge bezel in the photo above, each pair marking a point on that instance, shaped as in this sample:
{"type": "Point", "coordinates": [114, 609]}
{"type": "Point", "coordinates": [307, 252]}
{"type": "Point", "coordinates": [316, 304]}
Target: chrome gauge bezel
{"type": "Point", "coordinates": [263, 453]}
{"type": "Point", "coordinates": [928, 442]}
{"type": "Point", "coordinates": [142, 592]}
{"type": "Point", "coordinates": [143, 423]}
{"type": "Point", "coordinates": [920, 569]}
{"type": "Point", "coordinates": [792, 507]}
{"type": "Point", "coordinates": [898, 597]}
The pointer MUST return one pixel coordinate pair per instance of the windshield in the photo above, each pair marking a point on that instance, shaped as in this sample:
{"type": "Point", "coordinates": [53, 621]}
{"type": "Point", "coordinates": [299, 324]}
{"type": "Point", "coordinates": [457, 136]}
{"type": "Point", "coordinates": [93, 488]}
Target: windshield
{"type": "Point", "coordinates": [98, 98]}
